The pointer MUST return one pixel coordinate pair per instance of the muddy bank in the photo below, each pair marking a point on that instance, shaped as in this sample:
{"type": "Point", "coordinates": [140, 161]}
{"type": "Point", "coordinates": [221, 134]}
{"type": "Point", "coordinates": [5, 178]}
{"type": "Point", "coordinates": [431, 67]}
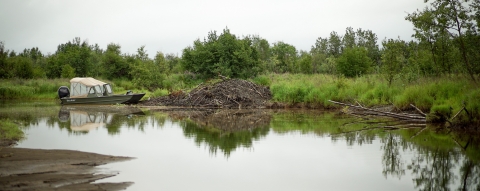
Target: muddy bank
{"type": "Point", "coordinates": [38, 169]}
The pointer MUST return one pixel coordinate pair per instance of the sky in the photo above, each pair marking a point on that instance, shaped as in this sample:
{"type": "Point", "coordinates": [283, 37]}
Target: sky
{"type": "Point", "coordinates": [171, 26]}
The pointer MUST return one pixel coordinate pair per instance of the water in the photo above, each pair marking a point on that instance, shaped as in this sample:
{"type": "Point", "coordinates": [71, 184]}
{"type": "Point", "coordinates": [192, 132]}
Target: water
{"type": "Point", "coordinates": [254, 149]}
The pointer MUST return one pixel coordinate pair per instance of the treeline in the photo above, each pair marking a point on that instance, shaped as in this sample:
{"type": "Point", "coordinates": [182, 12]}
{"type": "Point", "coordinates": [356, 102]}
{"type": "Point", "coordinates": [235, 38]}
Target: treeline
{"type": "Point", "coordinates": [447, 41]}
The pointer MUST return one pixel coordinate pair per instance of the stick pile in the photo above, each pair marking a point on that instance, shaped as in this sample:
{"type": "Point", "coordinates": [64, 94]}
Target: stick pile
{"type": "Point", "coordinates": [229, 93]}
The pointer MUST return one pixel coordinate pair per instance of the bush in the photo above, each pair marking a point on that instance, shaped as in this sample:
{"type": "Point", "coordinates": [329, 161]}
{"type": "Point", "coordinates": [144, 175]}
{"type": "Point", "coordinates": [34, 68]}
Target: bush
{"type": "Point", "coordinates": [354, 62]}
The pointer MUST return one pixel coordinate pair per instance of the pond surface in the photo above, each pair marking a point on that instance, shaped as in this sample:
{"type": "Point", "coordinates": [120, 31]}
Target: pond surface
{"type": "Point", "coordinates": [255, 149]}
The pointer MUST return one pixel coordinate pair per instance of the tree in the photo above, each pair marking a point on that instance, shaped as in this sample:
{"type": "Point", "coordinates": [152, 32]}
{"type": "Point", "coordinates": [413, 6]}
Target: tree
{"type": "Point", "coordinates": [452, 17]}
{"type": "Point", "coordinates": [286, 55]}
{"type": "Point", "coordinates": [68, 71]}
{"type": "Point", "coordinates": [77, 54]}
{"type": "Point", "coordinates": [319, 54]}
{"type": "Point", "coordinates": [146, 72]}
{"type": "Point", "coordinates": [334, 44]}
{"type": "Point", "coordinates": [3, 61]}
{"type": "Point", "coordinates": [354, 62]}
{"type": "Point", "coordinates": [264, 53]}
{"type": "Point", "coordinates": [349, 39]}
{"type": "Point", "coordinates": [161, 62]}
{"type": "Point", "coordinates": [305, 63]}
{"type": "Point", "coordinates": [223, 54]}
{"type": "Point", "coordinates": [393, 58]}
{"type": "Point", "coordinates": [114, 64]}
{"type": "Point", "coordinates": [173, 63]}
{"type": "Point", "coordinates": [368, 40]}
{"type": "Point", "coordinates": [96, 58]}
{"type": "Point", "coordinates": [22, 67]}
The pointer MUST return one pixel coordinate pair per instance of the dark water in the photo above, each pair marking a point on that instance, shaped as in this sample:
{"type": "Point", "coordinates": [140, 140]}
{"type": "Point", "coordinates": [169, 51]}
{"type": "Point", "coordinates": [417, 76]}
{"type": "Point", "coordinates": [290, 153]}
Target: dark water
{"type": "Point", "coordinates": [255, 149]}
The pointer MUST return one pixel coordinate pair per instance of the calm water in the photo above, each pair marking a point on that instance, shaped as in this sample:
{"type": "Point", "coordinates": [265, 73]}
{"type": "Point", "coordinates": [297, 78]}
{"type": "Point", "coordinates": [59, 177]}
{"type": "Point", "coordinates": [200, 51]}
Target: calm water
{"type": "Point", "coordinates": [254, 149]}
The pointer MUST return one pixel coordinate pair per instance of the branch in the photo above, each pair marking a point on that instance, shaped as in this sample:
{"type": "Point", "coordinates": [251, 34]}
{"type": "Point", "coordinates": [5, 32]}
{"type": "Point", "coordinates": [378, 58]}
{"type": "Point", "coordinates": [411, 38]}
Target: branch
{"type": "Point", "coordinates": [420, 111]}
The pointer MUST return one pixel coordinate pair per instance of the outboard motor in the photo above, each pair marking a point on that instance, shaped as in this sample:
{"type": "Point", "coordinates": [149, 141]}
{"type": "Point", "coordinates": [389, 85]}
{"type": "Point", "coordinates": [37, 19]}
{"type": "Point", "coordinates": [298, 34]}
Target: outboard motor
{"type": "Point", "coordinates": [63, 91]}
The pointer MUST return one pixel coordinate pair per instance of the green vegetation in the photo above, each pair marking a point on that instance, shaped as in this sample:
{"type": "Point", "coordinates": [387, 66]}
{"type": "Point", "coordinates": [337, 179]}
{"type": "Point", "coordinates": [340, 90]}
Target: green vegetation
{"type": "Point", "coordinates": [444, 96]}
{"type": "Point", "coordinates": [30, 88]}
{"type": "Point", "coordinates": [438, 71]}
{"type": "Point", "coordinates": [10, 131]}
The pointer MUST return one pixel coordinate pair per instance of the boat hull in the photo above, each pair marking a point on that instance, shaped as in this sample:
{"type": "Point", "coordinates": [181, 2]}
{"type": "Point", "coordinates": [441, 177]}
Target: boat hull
{"type": "Point", "coordinates": [105, 100]}
{"type": "Point", "coordinates": [135, 98]}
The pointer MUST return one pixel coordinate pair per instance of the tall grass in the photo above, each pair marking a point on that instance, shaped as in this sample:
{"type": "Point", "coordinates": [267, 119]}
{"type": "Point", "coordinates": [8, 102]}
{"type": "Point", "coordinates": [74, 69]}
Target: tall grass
{"type": "Point", "coordinates": [435, 95]}
{"type": "Point", "coordinates": [31, 89]}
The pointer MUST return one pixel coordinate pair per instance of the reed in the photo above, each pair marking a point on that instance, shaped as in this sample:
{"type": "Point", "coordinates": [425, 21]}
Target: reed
{"type": "Point", "coordinates": [30, 89]}
{"type": "Point", "coordinates": [432, 95]}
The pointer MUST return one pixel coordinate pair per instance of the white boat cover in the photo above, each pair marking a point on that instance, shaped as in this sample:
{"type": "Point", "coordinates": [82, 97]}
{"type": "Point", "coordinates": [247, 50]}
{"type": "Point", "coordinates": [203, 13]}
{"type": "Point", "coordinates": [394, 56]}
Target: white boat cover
{"type": "Point", "coordinates": [87, 81]}
{"type": "Point", "coordinates": [83, 121]}
{"type": "Point", "coordinates": [82, 86]}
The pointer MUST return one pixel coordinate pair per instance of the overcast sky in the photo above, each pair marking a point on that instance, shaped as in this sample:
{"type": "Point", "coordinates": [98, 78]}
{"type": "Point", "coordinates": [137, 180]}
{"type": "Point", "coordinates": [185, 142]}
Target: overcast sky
{"type": "Point", "coordinates": [171, 26]}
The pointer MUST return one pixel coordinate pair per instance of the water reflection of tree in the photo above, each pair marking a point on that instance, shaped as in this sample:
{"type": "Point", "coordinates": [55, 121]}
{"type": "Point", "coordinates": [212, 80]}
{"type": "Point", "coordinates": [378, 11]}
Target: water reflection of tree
{"type": "Point", "coordinates": [223, 130]}
{"type": "Point", "coordinates": [433, 169]}
{"type": "Point", "coordinates": [223, 141]}
{"type": "Point", "coordinates": [438, 163]}
{"type": "Point", "coordinates": [470, 178]}
{"type": "Point", "coordinates": [393, 164]}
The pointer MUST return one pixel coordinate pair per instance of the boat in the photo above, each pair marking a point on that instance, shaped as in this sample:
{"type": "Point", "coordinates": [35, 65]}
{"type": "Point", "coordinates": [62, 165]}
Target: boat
{"type": "Point", "coordinates": [92, 91]}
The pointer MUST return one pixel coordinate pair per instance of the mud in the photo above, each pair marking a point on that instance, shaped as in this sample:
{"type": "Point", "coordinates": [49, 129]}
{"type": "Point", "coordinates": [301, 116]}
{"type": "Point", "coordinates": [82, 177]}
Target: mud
{"type": "Point", "coordinates": [38, 169]}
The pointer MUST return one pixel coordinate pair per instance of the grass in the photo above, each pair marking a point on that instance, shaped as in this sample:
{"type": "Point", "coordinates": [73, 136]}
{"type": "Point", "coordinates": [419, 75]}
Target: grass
{"type": "Point", "coordinates": [444, 96]}
{"type": "Point", "coordinates": [10, 130]}
{"type": "Point", "coordinates": [31, 89]}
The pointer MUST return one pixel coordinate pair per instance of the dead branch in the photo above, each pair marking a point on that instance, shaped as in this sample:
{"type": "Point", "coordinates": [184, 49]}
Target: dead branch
{"type": "Point", "coordinates": [463, 108]}
{"type": "Point", "coordinates": [420, 111]}
{"type": "Point", "coordinates": [389, 114]}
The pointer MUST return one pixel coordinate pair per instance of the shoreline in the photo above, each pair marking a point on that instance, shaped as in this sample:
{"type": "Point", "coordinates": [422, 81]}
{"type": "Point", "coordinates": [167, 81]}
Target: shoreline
{"type": "Point", "coordinates": [39, 169]}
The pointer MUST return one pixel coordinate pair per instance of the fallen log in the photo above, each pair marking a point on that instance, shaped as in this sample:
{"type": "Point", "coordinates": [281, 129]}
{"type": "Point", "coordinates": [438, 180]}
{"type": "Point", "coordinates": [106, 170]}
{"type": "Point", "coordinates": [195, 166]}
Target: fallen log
{"type": "Point", "coordinates": [389, 114]}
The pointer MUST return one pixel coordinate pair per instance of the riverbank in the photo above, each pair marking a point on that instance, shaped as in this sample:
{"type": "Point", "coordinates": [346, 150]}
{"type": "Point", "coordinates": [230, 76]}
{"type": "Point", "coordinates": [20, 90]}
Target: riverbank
{"type": "Point", "coordinates": [10, 133]}
{"type": "Point", "coordinates": [439, 97]}
{"type": "Point", "coordinates": [38, 169]}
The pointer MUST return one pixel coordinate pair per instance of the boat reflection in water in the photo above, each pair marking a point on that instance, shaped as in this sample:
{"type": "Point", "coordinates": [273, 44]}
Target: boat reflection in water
{"type": "Point", "coordinates": [86, 118]}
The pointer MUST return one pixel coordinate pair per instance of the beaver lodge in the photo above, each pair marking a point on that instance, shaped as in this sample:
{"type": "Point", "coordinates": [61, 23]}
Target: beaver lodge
{"type": "Point", "coordinates": [228, 93]}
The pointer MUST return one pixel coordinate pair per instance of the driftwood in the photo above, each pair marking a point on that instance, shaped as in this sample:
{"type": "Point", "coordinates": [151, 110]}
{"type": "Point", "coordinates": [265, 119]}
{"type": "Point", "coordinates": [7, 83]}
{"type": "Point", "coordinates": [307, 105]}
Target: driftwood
{"type": "Point", "coordinates": [463, 108]}
{"type": "Point", "coordinates": [419, 111]}
{"type": "Point", "coordinates": [409, 117]}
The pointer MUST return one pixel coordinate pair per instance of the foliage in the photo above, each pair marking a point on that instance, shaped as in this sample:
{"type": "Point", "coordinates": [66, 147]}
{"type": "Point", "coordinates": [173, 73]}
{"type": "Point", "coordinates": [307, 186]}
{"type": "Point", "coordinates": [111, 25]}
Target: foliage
{"type": "Point", "coordinates": [286, 55]}
{"type": "Point", "coordinates": [393, 58]}
{"type": "Point", "coordinates": [68, 71]}
{"type": "Point", "coordinates": [354, 62]}
{"type": "Point", "coordinates": [147, 73]}
{"type": "Point", "coordinates": [305, 63]}
{"type": "Point", "coordinates": [76, 54]}
{"type": "Point", "coordinates": [30, 89]}
{"type": "Point", "coordinates": [222, 54]}
{"type": "Point", "coordinates": [448, 25]}
{"type": "Point", "coordinates": [114, 64]}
